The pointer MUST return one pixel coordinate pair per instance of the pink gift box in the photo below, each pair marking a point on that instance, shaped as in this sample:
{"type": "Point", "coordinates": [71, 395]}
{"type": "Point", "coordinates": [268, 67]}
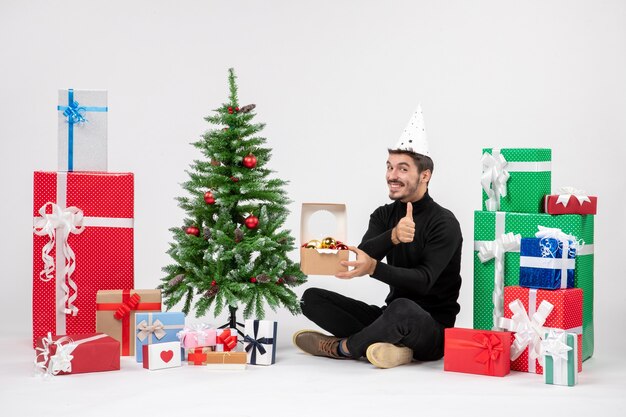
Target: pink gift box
{"type": "Point", "coordinates": [197, 336]}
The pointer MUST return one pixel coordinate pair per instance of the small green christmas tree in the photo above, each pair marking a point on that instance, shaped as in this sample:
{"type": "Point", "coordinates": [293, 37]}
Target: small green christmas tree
{"type": "Point", "coordinates": [231, 250]}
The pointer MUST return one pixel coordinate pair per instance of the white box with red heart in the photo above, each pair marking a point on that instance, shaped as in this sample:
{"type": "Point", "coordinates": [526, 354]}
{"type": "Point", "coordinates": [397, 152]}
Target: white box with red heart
{"type": "Point", "coordinates": [161, 355]}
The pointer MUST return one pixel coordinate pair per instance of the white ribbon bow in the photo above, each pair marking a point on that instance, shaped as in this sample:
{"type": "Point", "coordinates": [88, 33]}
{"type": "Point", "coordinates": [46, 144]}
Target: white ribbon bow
{"type": "Point", "coordinates": [496, 249]}
{"type": "Point", "coordinates": [66, 221]}
{"type": "Point", "coordinates": [553, 345]}
{"type": "Point", "coordinates": [565, 193]}
{"type": "Point", "coordinates": [61, 361]}
{"type": "Point", "coordinates": [494, 178]}
{"type": "Point", "coordinates": [197, 330]}
{"type": "Point", "coordinates": [528, 330]}
{"type": "Point", "coordinates": [155, 328]}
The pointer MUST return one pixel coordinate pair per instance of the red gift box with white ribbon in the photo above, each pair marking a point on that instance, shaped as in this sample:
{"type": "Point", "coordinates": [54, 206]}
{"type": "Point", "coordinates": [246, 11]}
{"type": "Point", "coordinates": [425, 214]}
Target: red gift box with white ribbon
{"type": "Point", "coordinates": [529, 313]}
{"type": "Point", "coordinates": [570, 201]}
{"type": "Point", "coordinates": [82, 243]}
{"type": "Point", "coordinates": [77, 354]}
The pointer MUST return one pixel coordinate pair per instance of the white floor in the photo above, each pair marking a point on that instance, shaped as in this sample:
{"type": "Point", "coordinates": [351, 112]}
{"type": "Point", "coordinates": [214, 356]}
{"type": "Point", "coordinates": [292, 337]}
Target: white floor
{"type": "Point", "coordinates": [301, 385]}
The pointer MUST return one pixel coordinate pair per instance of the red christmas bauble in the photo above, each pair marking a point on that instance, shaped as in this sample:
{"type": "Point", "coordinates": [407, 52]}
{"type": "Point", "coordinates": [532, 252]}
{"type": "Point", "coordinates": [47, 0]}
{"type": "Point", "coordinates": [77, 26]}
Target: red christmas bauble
{"type": "Point", "coordinates": [230, 110]}
{"type": "Point", "coordinates": [213, 283]}
{"type": "Point", "coordinates": [249, 161]}
{"type": "Point", "coordinates": [236, 108]}
{"type": "Point", "coordinates": [280, 281]}
{"type": "Point", "coordinates": [192, 230]}
{"type": "Point", "coordinates": [208, 198]}
{"type": "Point", "coordinates": [252, 222]}
{"type": "Point", "coordinates": [253, 280]}
{"type": "Point", "coordinates": [234, 179]}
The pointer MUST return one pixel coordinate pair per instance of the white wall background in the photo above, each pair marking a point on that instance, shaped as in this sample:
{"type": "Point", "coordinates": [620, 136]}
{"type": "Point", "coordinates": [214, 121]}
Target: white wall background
{"type": "Point", "coordinates": [336, 82]}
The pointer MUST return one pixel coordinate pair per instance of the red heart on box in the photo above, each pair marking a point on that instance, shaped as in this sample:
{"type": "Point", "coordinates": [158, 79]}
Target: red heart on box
{"type": "Point", "coordinates": [167, 355]}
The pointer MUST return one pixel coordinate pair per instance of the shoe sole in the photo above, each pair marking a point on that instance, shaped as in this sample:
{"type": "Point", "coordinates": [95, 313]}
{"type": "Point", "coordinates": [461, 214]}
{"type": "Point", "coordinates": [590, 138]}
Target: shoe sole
{"type": "Point", "coordinates": [298, 333]}
{"type": "Point", "coordinates": [397, 355]}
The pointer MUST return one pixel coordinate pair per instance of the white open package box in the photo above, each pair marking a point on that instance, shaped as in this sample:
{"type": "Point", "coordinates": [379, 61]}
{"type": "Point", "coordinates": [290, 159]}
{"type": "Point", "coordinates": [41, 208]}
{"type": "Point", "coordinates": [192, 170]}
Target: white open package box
{"type": "Point", "coordinates": [323, 261]}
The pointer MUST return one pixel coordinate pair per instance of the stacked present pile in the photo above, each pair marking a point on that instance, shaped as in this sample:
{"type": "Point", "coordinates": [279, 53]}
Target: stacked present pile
{"type": "Point", "coordinates": [86, 312]}
{"type": "Point", "coordinates": [533, 273]}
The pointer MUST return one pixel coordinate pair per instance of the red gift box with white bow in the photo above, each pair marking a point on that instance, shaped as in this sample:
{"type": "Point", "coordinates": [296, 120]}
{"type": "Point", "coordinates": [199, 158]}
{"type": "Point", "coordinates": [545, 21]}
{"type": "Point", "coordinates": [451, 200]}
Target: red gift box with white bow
{"type": "Point", "coordinates": [77, 354]}
{"type": "Point", "coordinates": [529, 313]}
{"type": "Point", "coordinates": [570, 201]}
{"type": "Point", "coordinates": [82, 243]}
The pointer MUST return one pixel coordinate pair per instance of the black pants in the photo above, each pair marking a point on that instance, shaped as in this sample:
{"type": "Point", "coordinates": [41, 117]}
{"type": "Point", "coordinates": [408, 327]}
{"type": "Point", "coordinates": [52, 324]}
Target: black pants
{"type": "Point", "coordinates": [402, 322]}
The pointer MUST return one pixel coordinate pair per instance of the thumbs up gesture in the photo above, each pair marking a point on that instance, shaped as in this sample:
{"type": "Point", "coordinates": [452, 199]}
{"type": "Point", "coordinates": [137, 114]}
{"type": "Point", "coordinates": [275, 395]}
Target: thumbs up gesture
{"type": "Point", "coordinates": [405, 229]}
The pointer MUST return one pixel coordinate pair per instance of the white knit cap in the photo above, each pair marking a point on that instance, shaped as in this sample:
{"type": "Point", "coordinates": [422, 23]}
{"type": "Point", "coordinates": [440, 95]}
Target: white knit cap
{"type": "Point", "coordinates": [414, 136]}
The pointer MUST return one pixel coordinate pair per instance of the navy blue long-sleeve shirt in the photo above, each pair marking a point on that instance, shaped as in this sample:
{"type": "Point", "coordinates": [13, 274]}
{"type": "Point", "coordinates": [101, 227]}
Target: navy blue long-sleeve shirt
{"type": "Point", "coordinates": [426, 270]}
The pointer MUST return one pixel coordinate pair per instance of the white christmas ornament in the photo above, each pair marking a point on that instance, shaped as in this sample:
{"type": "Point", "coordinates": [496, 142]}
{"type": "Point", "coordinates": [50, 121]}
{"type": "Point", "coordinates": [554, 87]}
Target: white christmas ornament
{"type": "Point", "coordinates": [414, 136]}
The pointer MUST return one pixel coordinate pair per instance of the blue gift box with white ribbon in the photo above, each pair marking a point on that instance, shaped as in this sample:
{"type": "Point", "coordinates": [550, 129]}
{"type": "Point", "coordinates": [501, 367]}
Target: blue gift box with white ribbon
{"type": "Point", "coordinates": [260, 341]}
{"type": "Point", "coordinates": [547, 263]}
{"type": "Point", "coordinates": [82, 133]}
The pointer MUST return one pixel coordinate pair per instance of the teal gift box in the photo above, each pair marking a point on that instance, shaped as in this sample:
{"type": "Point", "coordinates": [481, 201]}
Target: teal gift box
{"type": "Point", "coordinates": [559, 351]}
{"type": "Point", "coordinates": [491, 225]}
{"type": "Point", "coordinates": [515, 179]}
{"type": "Point", "coordinates": [151, 328]}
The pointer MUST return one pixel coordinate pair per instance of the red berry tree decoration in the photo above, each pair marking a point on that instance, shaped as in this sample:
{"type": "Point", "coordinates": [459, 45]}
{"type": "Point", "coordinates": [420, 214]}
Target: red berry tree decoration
{"type": "Point", "coordinates": [240, 212]}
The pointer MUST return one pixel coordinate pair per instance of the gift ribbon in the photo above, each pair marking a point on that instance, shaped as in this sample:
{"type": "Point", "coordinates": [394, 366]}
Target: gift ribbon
{"type": "Point", "coordinates": [75, 114]}
{"type": "Point", "coordinates": [198, 331]}
{"type": "Point", "coordinates": [489, 345]}
{"type": "Point", "coordinates": [528, 327]}
{"type": "Point", "coordinates": [494, 178]}
{"type": "Point", "coordinates": [559, 358]}
{"type": "Point", "coordinates": [197, 355]}
{"type": "Point", "coordinates": [496, 172]}
{"type": "Point", "coordinates": [507, 242]}
{"type": "Point", "coordinates": [61, 360]}
{"type": "Point", "coordinates": [156, 328]}
{"type": "Point", "coordinates": [227, 340]}
{"type": "Point", "coordinates": [565, 193]}
{"type": "Point", "coordinates": [147, 330]}
{"type": "Point", "coordinates": [256, 343]}
{"type": "Point", "coordinates": [66, 220]}
{"type": "Point", "coordinates": [123, 313]}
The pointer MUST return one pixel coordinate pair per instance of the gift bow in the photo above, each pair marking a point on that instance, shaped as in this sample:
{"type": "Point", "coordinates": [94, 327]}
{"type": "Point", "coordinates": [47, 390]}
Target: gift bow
{"type": "Point", "coordinates": [227, 339]}
{"type": "Point", "coordinates": [65, 220]}
{"type": "Point", "coordinates": [565, 193]}
{"type": "Point", "coordinates": [257, 344]}
{"type": "Point", "coordinates": [528, 330]}
{"type": "Point", "coordinates": [558, 234]}
{"type": "Point", "coordinates": [61, 361]}
{"type": "Point", "coordinates": [155, 328]}
{"type": "Point", "coordinates": [126, 306]}
{"type": "Point", "coordinates": [491, 348]}
{"type": "Point", "coordinates": [494, 178]}
{"type": "Point", "coordinates": [74, 113]}
{"type": "Point", "coordinates": [554, 346]}
{"type": "Point", "coordinates": [197, 330]}
{"type": "Point", "coordinates": [496, 249]}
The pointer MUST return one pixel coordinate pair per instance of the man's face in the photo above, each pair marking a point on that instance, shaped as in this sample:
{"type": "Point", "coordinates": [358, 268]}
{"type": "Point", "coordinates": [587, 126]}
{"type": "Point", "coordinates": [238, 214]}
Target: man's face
{"type": "Point", "coordinates": [402, 178]}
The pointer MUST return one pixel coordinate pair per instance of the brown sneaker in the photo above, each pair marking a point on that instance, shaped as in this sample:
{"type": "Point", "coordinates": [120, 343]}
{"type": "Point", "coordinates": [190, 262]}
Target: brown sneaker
{"type": "Point", "coordinates": [387, 355]}
{"type": "Point", "coordinates": [316, 343]}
